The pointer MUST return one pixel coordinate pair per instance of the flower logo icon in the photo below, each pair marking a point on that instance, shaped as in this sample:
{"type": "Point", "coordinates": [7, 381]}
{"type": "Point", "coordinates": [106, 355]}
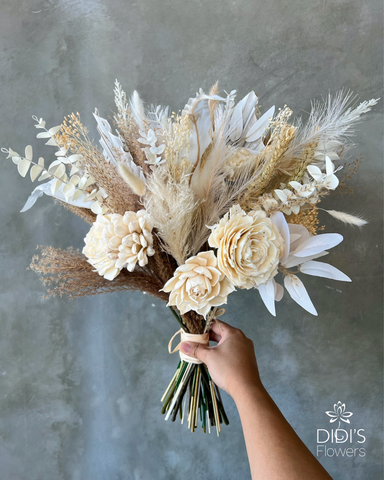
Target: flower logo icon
{"type": "Point", "coordinates": [339, 413]}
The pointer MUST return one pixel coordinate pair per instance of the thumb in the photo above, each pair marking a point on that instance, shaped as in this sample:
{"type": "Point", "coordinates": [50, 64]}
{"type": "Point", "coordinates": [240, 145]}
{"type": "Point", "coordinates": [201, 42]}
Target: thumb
{"type": "Point", "coordinates": [195, 350]}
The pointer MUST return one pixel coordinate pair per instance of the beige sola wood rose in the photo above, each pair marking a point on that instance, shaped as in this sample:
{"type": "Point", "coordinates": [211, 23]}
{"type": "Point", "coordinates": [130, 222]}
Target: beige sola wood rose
{"type": "Point", "coordinates": [249, 247]}
{"type": "Point", "coordinates": [198, 285]}
{"type": "Point", "coordinates": [117, 241]}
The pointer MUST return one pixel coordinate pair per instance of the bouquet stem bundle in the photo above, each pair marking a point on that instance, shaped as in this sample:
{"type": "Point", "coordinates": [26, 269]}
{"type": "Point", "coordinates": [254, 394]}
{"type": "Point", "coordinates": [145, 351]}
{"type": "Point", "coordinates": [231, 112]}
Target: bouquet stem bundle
{"type": "Point", "coordinates": [192, 384]}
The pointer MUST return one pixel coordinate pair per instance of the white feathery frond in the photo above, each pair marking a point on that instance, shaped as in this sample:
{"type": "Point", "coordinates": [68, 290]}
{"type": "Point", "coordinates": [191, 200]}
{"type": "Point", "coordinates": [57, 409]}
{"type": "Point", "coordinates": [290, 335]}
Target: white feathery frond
{"type": "Point", "coordinates": [158, 116]}
{"type": "Point", "coordinates": [138, 111]}
{"type": "Point", "coordinates": [347, 218]}
{"type": "Point", "coordinates": [332, 119]}
{"type": "Point", "coordinates": [121, 100]}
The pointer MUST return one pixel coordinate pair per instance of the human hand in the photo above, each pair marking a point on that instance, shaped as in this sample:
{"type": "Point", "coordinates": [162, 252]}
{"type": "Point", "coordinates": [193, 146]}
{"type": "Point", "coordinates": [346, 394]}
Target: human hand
{"type": "Point", "coordinates": [232, 362]}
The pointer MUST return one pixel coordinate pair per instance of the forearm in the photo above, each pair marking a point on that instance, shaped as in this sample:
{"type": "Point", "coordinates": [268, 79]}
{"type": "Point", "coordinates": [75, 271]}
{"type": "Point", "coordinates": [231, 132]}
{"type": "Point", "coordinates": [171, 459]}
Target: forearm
{"type": "Point", "coordinates": [274, 449]}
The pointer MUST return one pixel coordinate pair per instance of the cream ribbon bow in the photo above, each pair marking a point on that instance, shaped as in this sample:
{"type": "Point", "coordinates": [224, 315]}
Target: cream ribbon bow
{"type": "Point", "coordinates": [202, 338]}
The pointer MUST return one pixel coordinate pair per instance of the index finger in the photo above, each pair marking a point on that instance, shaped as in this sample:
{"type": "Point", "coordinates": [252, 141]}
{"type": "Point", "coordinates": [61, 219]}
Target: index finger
{"type": "Point", "coordinates": [220, 328]}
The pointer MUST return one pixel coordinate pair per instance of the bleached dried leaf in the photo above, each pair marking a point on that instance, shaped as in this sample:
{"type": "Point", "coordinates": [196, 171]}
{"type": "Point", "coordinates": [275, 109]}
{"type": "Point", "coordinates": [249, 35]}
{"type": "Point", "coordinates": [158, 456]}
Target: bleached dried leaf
{"type": "Point", "coordinates": [74, 169]}
{"type": "Point", "coordinates": [53, 166]}
{"type": "Point", "coordinates": [90, 181]}
{"type": "Point", "coordinates": [55, 186]}
{"type": "Point", "coordinates": [320, 269]}
{"type": "Point", "coordinates": [62, 152]}
{"type": "Point", "coordinates": [96, 208]}
{"type": "Point", "coordinates": [77, 194]}
{"type": "Point", "coordinates": [45, 188]}
{"type": "Point", "coordinates": [236, 123]}
{"type": "Point", "coordinates": [257, 129]}
{"type": "Point", "coordinates": [43, 135]}
{"type": "Point", "coordinates": [23, 167]}
{"type": "Point", "coordinates": [69, 190]}
{"type": "Point", "coordinates": [10, 153]}
{"type": "Point", "coordinates": [317, 244]}
{"type": "Point", "coordinates": [40, 122]}
{"type": "Point", "coordinates": [35, 172]}
{"type": "Point", "coordinates": [52, 131]}
{"type": "Point", "coordinates": [52, 142]}
{"type": "Point", "coordinates": [74, 158]}
{"type": "Point", "coordinates": [298, 293]}
{"type": "Point", "coordinates": [44, 176]}
{"type": "Point", "coordinates": [91, 196]}
{"type": "Point", "coordinates": [82, 182]}
{"type": "Point", "coordinates": [267, 294]}
{"type": "Point", "coordinates": [103, 193]}
{"type": "Point", "coordinates": [28, 152]}
{"type": "Point", "coordinates": [16, 160]}
{"type": "Point", "coordinates": [75, 179]}
{"type": "Point", "coordinates": [60, 171]}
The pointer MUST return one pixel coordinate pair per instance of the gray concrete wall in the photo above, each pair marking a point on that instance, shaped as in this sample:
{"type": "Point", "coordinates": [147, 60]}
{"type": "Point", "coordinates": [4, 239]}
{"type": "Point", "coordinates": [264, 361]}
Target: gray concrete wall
{"type": "Point", "coordinates": [81, 381]}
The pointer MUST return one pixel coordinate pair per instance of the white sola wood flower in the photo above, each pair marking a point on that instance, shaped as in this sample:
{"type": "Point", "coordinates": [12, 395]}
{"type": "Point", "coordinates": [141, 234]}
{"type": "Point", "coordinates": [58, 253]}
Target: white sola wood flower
{"type": "Point", "coordinates": [137, 243]}
{"type": "Point", "coordinates": [198, 285]}
{"type": "Point", "coordinates": [249, 247]}
{"type": "Point", "coordinates": [101, 248]}
{"type": "Point", "coordinates": [301, 250]}
{"type": "Point", "coordinates": [117, 241]}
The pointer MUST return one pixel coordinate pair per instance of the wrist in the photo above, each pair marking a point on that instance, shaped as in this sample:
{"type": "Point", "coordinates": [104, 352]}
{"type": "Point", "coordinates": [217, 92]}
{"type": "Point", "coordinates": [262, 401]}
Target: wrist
{"type": "Point", "coordinates": [248, 389]}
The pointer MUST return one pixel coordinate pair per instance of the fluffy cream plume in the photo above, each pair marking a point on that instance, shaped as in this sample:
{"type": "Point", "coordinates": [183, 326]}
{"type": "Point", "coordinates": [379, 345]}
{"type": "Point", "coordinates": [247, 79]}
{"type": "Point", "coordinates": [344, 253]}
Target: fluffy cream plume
{"type": "Point", "coordinates": [347, 217]}
{"type": "Point", "coordinates": [134, 182]}
{"type": "Point", "coordinates": [172, 206]}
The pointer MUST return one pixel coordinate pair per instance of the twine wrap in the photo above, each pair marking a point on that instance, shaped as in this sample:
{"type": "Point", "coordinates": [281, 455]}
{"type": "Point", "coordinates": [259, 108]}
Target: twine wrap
{"type": "Point", "coordinates": [202, 338]}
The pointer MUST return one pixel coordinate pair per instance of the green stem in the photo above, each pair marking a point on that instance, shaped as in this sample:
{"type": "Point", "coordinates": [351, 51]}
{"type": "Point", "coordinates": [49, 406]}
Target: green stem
{"type": "Point", "coordinates": [178, 318]}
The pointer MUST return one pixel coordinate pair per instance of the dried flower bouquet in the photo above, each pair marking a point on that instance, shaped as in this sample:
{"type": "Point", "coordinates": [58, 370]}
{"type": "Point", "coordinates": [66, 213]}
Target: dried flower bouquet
{"type": "Point", "coordinates": [191, 206]}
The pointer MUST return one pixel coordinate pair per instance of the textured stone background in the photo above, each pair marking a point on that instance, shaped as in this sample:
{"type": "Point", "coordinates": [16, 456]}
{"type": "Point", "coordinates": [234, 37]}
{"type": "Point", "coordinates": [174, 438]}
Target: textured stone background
{"type": "Point", "coordinates": [80, 381]}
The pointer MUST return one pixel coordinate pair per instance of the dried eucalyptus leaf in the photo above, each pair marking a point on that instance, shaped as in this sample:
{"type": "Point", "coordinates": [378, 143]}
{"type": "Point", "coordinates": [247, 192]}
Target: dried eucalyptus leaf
{"type": "Point", "coordinates": [23, 167]}
{"type": "Point", "coordinates": [35, 172]}
{"type": "Point", "coordinates": [55, 186]}
{"type": "Point", "coordinates": [28, 152]}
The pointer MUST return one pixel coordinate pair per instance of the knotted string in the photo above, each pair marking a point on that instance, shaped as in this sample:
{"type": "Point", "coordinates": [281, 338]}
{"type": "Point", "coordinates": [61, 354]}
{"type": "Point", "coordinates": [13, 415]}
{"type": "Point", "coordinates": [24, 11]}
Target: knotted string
{"type": "Point", "coordinates": [202, 338]}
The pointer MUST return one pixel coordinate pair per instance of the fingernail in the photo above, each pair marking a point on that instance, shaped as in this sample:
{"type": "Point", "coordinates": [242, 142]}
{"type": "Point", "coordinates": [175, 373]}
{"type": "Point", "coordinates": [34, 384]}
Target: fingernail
{"type": "Point", "coordinates": [185, 347]}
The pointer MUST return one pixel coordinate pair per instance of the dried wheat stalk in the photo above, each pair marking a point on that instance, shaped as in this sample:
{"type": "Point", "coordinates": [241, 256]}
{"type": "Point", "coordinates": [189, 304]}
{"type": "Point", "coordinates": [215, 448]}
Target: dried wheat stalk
{"type": "Point", "coordinates": [84, 213]}
{"type": "Point", "coordinates": [67, 272]}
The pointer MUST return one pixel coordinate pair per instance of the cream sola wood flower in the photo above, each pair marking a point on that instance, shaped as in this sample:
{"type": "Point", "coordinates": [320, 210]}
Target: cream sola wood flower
{"type": "Point", "coordinates": [249, 247]}
{"type": "Point", "coordinates": [300, 251]}
{"type": "Point", "coordinates": [198, 285]}
{"type": "Point", "coordinates": [117, 241]}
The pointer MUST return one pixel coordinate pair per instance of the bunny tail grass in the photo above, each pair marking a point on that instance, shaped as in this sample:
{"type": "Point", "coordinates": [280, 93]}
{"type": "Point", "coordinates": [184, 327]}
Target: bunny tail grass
{"type": "Point", "coordinates": [347, 218]}
{"type": "Point", "coordinates": [134, 182]}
